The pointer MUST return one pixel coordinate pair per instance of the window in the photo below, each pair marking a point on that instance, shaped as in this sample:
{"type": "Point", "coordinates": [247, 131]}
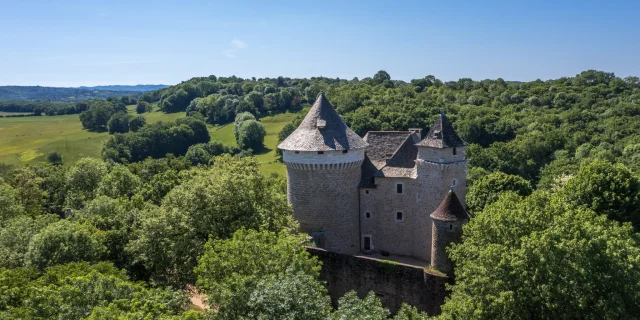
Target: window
{"type": "Point", "coordinates": [320, 152]}
{"type": "Point", "coordinates": [367, 215]}
{"type": "Point", "coordinates": [451, 228]}
{"type": "Point", "coordinates": [399, 188]}
{"type": "Point", "coordinates": [297, 152]}
{"type": "Point", "coordinates": [366, 192]}
{"type": "Point", "coordinates": [345, 151]}
{"type": "Point", "coordinates": [399, 216]}
{"type": "Point", "coordinates": [454, 151]}
{"type": "Point", "coordinates": [453, 182]}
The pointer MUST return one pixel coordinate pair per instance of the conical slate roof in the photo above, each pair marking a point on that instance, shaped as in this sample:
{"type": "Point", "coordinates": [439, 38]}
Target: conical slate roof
{"type": "Point", "coordinates": [322, 130]}
{"type": "Point", "coordinates": [442, 135]}
{"type": "Point", "coordinates": [450, 209]}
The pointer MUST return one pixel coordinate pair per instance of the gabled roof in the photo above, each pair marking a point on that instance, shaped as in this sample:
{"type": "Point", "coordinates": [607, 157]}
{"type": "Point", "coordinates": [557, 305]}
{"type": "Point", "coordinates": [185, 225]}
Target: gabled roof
{"type": "Point", "coordinates": [390, 154]}
{"type": "Point", "coordinates": [322, 130]}
{"type": "Point", "coordinates": [442, 135]}
{"type": "Point", "coordinates": [450, 209]}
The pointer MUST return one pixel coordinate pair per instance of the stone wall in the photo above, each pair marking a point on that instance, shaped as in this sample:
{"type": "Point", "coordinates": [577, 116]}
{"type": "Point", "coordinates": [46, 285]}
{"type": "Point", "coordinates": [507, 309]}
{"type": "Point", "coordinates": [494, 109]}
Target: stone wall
{"type": "Point", "coordinates": [393, 283]}
{"type": "Point", "coordinates": [326, 202]}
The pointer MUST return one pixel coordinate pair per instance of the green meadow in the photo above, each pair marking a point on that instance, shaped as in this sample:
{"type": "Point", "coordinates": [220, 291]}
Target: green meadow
{"type": "Point", "coordinates": [28, 140]}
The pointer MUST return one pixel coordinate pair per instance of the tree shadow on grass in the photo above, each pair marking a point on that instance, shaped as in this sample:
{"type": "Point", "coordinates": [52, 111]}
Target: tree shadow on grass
{"type": "Point", "coordinates": [263, 150]}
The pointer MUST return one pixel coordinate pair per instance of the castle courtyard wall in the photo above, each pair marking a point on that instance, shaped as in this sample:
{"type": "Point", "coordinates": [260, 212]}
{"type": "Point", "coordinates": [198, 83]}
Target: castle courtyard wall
{"type": "Point", "coordinates": [392, 283]}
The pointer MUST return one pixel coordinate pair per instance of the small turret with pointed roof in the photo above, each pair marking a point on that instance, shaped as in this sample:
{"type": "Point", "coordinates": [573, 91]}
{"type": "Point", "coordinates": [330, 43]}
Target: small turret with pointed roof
{"type": "Point", "coordinates": [442, 135]}
{"type": "Point", "coordinates": [322, 130]}
{"type": "Point", "coordinates": [447, 220]}
{"type": "Point", "coordinates": [450, 209]}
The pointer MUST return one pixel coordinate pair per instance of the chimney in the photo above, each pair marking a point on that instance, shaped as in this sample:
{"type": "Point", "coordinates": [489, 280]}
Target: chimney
{"type": "Point", "coordinates": [417, 131]}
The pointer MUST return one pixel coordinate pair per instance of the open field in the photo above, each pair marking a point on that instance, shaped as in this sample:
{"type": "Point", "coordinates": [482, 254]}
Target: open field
{"type": "Point", "coordinates": [3, 113]}
{"type": "Point", "coordinates": [27, 140]}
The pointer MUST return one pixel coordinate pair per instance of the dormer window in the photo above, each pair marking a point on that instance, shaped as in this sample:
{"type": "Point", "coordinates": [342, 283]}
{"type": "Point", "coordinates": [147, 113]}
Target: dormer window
{"type": "Point", "coordinates": [321, 123]}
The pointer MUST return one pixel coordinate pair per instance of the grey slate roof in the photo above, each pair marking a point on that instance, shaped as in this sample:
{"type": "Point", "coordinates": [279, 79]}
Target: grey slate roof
{"type": "Point", "coordinates": [322, 130]}
{"type": "Point", "coordinates": [390, 154]}
{"type": "Point", "coordinates": [450, 209]}
{"type": "Point", "coordinates": [442, 135]}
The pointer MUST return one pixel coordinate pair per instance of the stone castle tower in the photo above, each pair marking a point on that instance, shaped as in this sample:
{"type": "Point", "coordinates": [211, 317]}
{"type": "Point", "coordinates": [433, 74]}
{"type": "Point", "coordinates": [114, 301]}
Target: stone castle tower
{"type": "Point", "coordinates": [323, 158]}
{"type": "Point", "coordinates": [379, 195]}
{"type": "Point", "coordinates": [447, 228]}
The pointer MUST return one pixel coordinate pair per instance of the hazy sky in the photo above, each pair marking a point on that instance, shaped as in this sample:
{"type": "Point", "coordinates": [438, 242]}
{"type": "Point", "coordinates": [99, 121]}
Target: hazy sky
{"type": "Point", "coordinates": [73, 43]}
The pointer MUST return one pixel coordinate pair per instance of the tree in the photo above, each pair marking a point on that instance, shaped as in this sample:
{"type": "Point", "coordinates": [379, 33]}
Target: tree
{"type": "Point", "coordinates": [487, 189]}
{"type": "Point", "coordinates": [115, 219]}
{"type": "Point", "coordinates": [198, 154]}
{"type": "Point", "coordinates": [83, 180]}
{"type": "Point", "coordinates": [352, 307]}
{"type": "Point", "coordinates": [15, 235]}
{"type": "Point", "coordinates": [119, 122]}
{"type": "Point", "coordinates": [29, 190]}
{"type": "Point", "coordinates": [209, 203]}
{"type": "Point", "coordinates": [54, 158]}
{"type": "Point", "coordinates": [83, 291]}
{"type": "Point", "coordinates": [120, 182]}
{"type": "Point", "coordinates": [137, 122]}
{"type": "Point", "coordinates": [289, 296]}
{"type": "Point", "coordinates": [606, 188]}
{"type": "Point", "coordinates": [229, 279]}
{"type": "Point", "coordinates": [62, 242]}
{"type": "Point", "coordinates": [251, 135]}
{"type": "Point", "coordinates": [240, 118]}
{"type": "Point", "coordinates": [381, 76]}
{"type": "Point", "coordinates": [538, 257]}
{"type": "Point", "coordinates": [143, 106]}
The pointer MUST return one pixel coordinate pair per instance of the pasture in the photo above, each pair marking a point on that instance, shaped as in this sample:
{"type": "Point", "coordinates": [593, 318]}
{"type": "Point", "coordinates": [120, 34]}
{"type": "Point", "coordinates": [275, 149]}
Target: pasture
{"type": "Point", "coordinates": [28, 140]}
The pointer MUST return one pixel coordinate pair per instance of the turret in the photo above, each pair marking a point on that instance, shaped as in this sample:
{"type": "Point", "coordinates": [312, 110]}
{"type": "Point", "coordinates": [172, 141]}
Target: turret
{"type": "Point", "coordinates": [441, 159]}
{"type": "Point", "coordinates": [447, 220]}
{"type": "Point", "coordinates": [323, 158]}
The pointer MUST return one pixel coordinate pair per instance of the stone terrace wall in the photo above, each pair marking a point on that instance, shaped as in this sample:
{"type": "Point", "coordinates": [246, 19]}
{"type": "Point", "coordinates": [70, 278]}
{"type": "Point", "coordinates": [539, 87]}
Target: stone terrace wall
{"type": "Point", "coordinates": [392, 283]}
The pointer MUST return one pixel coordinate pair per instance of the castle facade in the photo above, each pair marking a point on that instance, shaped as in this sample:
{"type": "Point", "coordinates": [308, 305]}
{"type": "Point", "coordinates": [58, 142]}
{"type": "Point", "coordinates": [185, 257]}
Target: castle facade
{"type": "Point", "coordinates": [389, 193]}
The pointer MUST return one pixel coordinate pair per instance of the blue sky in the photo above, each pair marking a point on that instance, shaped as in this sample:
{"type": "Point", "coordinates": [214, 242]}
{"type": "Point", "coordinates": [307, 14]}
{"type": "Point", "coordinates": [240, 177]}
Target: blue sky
{"type": "Point", "coordinates": [73, 43]}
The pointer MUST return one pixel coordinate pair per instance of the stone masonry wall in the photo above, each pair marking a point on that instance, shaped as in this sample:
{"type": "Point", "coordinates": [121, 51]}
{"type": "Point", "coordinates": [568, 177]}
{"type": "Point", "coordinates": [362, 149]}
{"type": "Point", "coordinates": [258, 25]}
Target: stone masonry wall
{"type": "Point", "coordinates": [444, 233]}
{"type": "Point", "coordinates": [392, 283]}
{"type": "Point", "coordinates": [327, 201]}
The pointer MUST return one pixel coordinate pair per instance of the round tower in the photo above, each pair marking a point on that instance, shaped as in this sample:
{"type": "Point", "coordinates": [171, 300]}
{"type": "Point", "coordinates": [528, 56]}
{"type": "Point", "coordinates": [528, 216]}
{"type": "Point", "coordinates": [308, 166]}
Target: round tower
{"type": "Point", "coordinates": [447, 219]}
{"type": "Point", "coordinates": [323, 158]}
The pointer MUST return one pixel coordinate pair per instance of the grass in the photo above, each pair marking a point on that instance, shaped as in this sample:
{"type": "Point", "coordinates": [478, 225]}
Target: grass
{"type": "Point", "coordinates": [28, 140]}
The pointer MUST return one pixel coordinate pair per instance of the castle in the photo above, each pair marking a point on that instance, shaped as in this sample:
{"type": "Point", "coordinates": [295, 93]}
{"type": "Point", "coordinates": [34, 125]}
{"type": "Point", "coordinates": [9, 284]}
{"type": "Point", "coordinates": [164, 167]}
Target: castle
{"type": "Point", "coordinates": [389, 193]}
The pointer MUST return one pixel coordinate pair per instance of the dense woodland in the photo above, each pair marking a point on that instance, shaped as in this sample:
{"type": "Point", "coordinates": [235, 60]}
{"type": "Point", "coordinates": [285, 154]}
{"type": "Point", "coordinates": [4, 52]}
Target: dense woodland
{"type": "Point", "coordinates": [35, 93]}
{"type": "Point", "coordinates": [553, 190]}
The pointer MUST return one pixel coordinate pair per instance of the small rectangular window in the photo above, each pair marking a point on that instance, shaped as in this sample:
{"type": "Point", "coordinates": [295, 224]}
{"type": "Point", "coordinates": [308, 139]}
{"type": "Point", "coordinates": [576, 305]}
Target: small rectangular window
{"type": "Point", "coordinates": [399, 216]}
{"type": "Point", "coordinates": [399, 188]}
{"type": "Point", "coordinates": [297, 152]}
{"type": "Point", "coordinates": [367, 215]}
{"type": "Point", "coordinates": [345, 151]}
{"type": "Point", "coordinates": [454, 151]}
{"type": "Point", "coordinates": [366, 192]}
{"type": "Point", "coordinates": [320, 152]}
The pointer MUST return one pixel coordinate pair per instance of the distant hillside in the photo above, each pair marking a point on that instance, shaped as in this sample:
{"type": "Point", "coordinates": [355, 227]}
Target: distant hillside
{"type": "Point", "coordinates": [139, 87]}
{"type": "Point", "coordinates": [31, 93]}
